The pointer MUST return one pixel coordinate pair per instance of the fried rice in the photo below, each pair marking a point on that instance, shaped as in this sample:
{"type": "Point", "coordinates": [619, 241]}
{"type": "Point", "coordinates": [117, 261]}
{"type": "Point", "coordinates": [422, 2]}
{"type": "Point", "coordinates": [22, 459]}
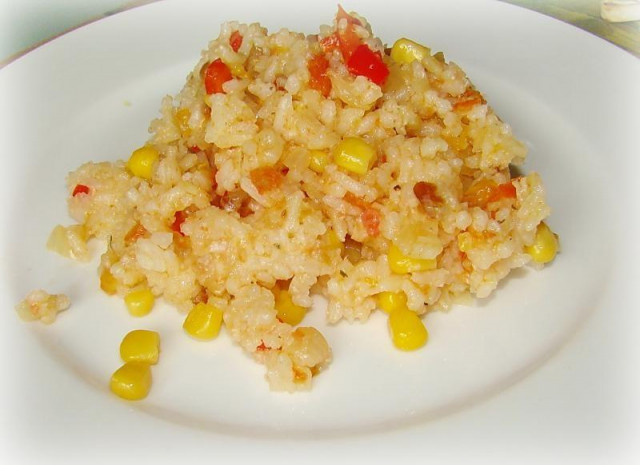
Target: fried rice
{"type": "Point", "coordinates": [250, 197]}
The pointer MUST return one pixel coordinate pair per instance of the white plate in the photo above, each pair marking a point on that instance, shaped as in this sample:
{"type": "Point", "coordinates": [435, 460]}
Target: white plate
{"type": "Point", "coordinates": [546, 367]}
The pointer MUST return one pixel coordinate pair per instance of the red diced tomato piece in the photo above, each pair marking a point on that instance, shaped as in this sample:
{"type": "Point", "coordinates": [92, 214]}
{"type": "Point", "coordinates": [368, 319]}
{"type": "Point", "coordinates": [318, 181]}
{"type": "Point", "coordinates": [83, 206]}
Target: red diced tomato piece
{"type": "Point", "coordinates": [503, 191]}
{"type": "Point", "coordinates": [235, 40]}
{"type": "Point", "coordinates": [266, 178]}
{"type": "Point", "coordinates": [216, 74]}
{"type": "Point", "coordinates": [80, 189]}
{"type": "Point", "coordinates": [319, 80]}
{"type": "Point", "coordinates": [365, 62]}
{"type": "Point", "coordinates": [371, 218]}
{"type": "Point", "coordinates": [342, 14]}
{"type": "Point", "coordinates": [330, 43]}
{"type": "Point", "coordinates": [426, 193]}
{"type": "Point", "coordinates": [178, 219]}
{"type": "Point", "coordinates": [135, 233]}
{"type": "Point", "coordinates": [468, 100]}
{"type": "Point", "coordinates": [356, 201]}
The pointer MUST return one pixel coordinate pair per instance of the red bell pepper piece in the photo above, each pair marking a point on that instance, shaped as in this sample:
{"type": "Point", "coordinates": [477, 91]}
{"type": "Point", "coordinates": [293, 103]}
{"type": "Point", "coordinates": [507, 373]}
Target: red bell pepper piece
{"type": "Point", "coordinates": [216, 74]}
{"type": "Point", "coordinates": [80, 189]}
{"type": "Point", "coordinates": [235, 40]}
{"type": "Point", "coordinates": [365, 62]}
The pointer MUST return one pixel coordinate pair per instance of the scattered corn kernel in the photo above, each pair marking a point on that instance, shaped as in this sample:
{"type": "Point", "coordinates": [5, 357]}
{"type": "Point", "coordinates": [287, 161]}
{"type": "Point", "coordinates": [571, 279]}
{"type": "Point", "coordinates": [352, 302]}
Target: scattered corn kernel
{"type": "Point", "coordinates": [545, 245]}
{"type": "Point", "coordinates": [140, 345]}
{"type": "Point", "coordinates": [203, 321]}
{"type": "Point", "coordinates": [354, 154]}
{"type": "Point", "coordinates": [402, 264]}
{"type": "Point", "coordinates": [107, 282]}
{"type": "Point", "coordinates": [408, 332]}
{"type": "Point", "coordinates": [132, 381]}
{"type": "Point", "coordinates": [142, 161]}
{"type": "Point", "coordinates": [318, 160]}
{"type": "Point", "coordinates": [140, 302]}
{"type": "Point", "coordinates": [288, 312]}
{"type": "Point", "coordinates": [406, 50]}
{"type": "Point", "coordinates": [390, 301]}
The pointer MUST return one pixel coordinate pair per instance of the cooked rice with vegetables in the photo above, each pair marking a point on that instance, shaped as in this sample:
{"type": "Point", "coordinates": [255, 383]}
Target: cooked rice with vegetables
{"type": "Point", "coordinates": [293, 165]}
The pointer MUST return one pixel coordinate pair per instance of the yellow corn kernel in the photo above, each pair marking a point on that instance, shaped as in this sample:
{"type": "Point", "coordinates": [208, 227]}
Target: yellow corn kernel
{"type": "Point", "coordinates": [108, 283]}
{"type": "Point", "coordinates": [142, 161]}
{"type": "Point", "coordinates": [390, 301]}
{"type": "Point", "coordinates": [331, 240]}
{"type": "Point", "coordinates": [408, 332]}
{"type": "Point", "coordinates": [203, 321]}
{"type": "Point", "coordinates": [182, 119]}
{"type": "Point", "coordinates": [140, 302]}
{"type": "Point", "coordinates": [354, 154]}
{"type": "Point", "coordinates": [318, 160]}
{"type": "Point", "coordinates": [545, 245]}
{"type": "Point", "coordinates": [406, 50]}
{"type": "Point", "coordinates": [237, 70]}
{"type": "Point", "coordinates": [288, 312]}
{"type": "Point", "coordinates": [140, 345]}
{"type": "Point", "coordinates": [402, 264]}
{"type": "Point", "coordinates": [131, 381]}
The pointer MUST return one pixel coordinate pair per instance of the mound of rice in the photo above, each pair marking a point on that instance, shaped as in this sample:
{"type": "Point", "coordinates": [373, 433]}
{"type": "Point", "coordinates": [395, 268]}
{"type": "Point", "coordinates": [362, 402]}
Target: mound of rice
{"type": "Point", "coordinates": [246, 196]}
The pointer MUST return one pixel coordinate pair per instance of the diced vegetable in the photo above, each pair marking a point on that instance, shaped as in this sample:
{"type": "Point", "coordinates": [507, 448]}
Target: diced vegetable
{"type": "Point", "coordinates": [426, 193]}
{"type": "Point", "coordinates": [408, 332]}
{"type": "Point", "coordinates": [503, 191]}
{"type": "Point", "coordinates": [371, 218]}
{"type": "Point", "coordinates": [132, 381]}
{"type": "Point", "coordinates": [203, 321]}
{"type": "Point", "coordinates": [178, 219]}
{"type": "Point", "coordinates": [365, 62]}
{"type": "Point", "coordinates": [402, 264]}
{"type": "Point", "coordinates": [215, 75]}
{"type": "Point", "coordinates": [139, 302]}
{"type": "Point", "coordinates": [331, 240]}
{"type": "Point", "coordinates": [545, 245]}
{"type": "Point", "coordinates": [107, 282]}
{"type": "Point", "coordinates": [288, 312]}
{"type": "Point", "coordinates": [235, 40]}
{"type": "Point", "coordinates": [142, 162]}
{"type": "Point", "coordinates": [80, 189]}
{"type": "Point", "coordinates": [319, 80]}
{"type": "Point", "coordinates": [354, 154]}
{"type": "Point", "coordinates": [390, 301]}
{"type": "Point", "coordinates": [318, 160]}
{"type": "Point", "coordinates": [406, 50]}
{"type": "Point", "coordinates": [266, 178]}
{"type": "Point", "coordinates": [140, 345]}
{"type": "Point", "coordinates": [483, 192]}
{"type": "Point", "coordinates": [348, 40]}
{"type": "Point", "coordinates": [135, 233]}
{"type": "Point", "coordinates": [468, 100]}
